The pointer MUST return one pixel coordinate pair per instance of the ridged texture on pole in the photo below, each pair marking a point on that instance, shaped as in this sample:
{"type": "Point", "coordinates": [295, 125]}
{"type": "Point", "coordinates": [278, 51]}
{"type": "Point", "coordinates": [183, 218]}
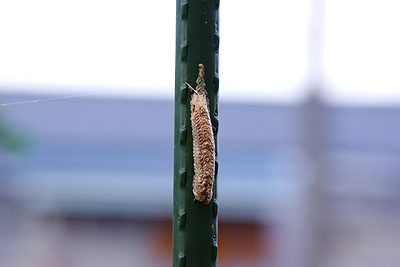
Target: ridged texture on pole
{"type": "Point", "coordinates": [195, 225]}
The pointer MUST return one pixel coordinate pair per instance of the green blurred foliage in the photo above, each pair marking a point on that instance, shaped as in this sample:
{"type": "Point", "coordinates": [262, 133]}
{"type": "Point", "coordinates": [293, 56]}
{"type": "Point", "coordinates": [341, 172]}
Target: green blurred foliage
{"type": "Point", "coordinates": [11, 139]}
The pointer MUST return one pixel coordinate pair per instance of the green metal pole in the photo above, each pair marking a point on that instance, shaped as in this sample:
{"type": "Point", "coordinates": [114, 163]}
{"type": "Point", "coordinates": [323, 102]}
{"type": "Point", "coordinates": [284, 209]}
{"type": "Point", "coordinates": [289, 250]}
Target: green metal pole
{"type": "Point", "coordinates": [197, 41]}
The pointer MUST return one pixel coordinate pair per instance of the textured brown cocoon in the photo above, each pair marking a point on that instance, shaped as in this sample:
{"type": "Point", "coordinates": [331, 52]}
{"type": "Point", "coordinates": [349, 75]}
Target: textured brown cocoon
{"type": "Point", "coordinates": [203, 142]}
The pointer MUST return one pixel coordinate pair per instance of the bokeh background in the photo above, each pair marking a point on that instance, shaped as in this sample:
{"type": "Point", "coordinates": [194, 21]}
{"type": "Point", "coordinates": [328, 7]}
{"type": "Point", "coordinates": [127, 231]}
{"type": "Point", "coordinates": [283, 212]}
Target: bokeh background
{"type": "Point", "coordinates": [309, 145]}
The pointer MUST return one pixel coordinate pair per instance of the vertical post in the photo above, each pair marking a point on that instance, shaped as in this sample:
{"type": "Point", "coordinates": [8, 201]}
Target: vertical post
{"type": "Point", "coordinates": [197, 41]}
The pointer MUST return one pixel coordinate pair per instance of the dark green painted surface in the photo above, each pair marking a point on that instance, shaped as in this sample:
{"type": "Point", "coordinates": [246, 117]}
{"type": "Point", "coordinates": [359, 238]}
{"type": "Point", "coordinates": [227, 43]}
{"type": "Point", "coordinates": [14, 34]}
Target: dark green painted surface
{"type": "Point", "coordinates": [197, 41]}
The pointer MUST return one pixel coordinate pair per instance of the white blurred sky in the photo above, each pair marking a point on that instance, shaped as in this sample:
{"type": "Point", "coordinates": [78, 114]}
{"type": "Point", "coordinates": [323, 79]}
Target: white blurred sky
{"type": "Point", "coordinates": [87, 46]}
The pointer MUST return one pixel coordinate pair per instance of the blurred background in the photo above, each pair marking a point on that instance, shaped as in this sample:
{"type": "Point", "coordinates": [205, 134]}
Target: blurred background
{"type": "Point", "coordinates": [309, 146]}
